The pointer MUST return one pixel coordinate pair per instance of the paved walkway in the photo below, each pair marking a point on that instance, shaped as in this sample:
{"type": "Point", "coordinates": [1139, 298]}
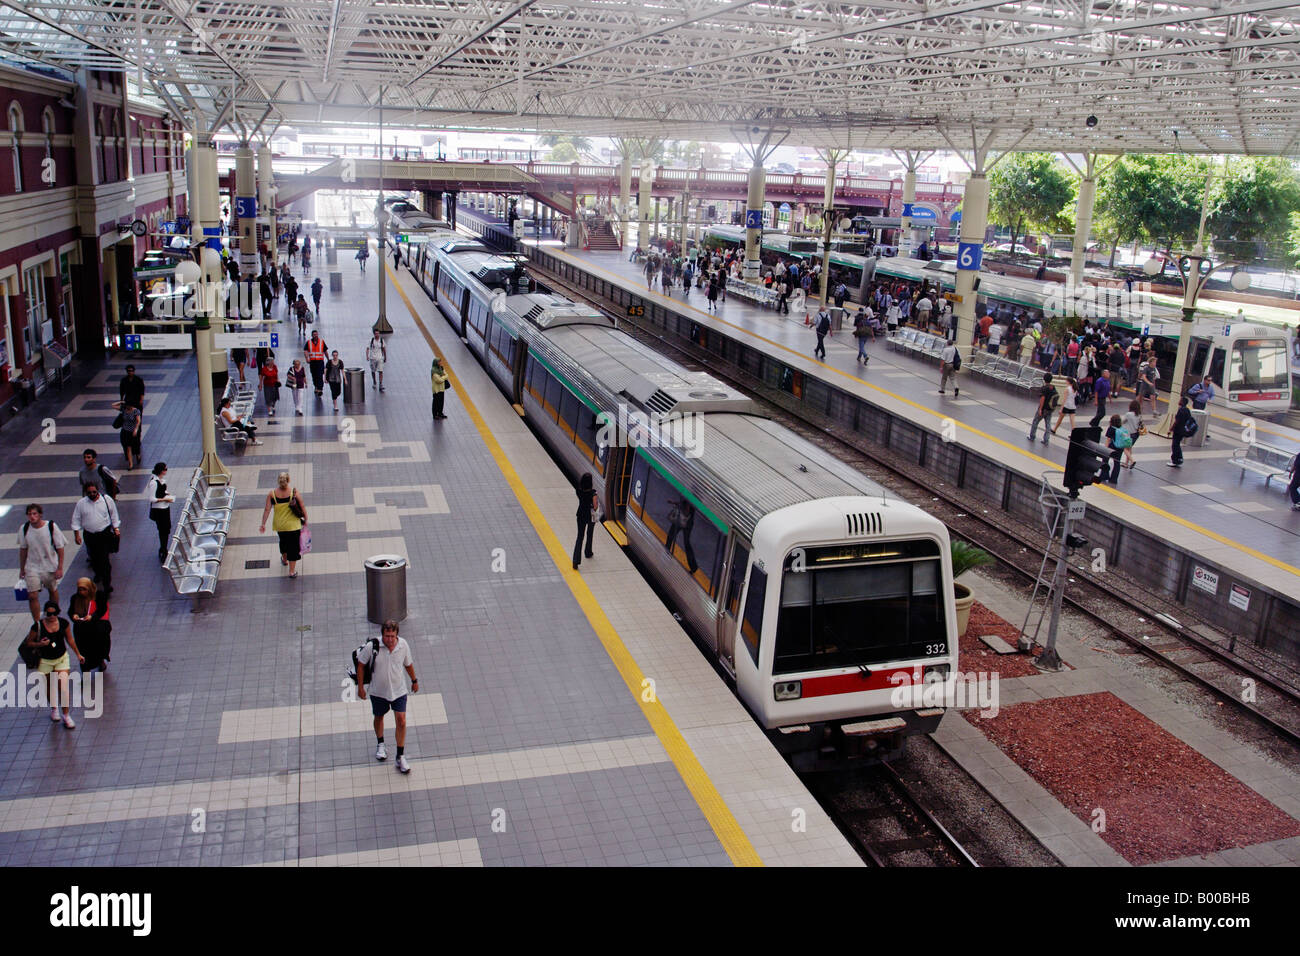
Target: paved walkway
{"type": "Point", "coordinates": [224, 737]}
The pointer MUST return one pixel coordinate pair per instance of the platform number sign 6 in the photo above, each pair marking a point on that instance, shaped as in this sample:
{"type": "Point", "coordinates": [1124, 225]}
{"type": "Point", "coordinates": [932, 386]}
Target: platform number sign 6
{"type": "Point", "coordinates": [969, 256]}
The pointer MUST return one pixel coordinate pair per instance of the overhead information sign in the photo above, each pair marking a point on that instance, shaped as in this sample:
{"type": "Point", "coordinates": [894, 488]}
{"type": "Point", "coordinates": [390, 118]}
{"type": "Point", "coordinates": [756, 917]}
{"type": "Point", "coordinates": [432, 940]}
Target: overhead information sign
{"type": "Point", "coordinates": [246, 340]}
{"type": "Point", "coordinates": [159, 340]}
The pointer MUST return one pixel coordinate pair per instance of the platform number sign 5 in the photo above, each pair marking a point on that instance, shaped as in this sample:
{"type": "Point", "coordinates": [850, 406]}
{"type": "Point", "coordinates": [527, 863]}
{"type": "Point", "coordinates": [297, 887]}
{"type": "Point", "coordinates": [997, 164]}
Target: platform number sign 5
{"type": "Point", "coordinates": [969, 256]}
{"type": "Point", "coordinates": [246, 207]}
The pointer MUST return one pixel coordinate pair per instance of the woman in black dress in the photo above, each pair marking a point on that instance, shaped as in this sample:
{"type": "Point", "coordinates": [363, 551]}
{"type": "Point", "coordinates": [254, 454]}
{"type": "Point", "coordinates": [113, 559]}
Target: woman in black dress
{"type": "Point", "coordinates": [587, 504]}
{"type": "Point", "coordinates": [91, 627]}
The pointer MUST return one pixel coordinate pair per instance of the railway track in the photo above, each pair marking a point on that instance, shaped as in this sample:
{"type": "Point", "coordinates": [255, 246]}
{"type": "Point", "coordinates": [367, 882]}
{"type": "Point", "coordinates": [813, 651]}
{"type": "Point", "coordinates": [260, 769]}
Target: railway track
{"type": "Point", "coordinates": [885, 820]}
{"type": "Point", "coordinates": [1145, 623]}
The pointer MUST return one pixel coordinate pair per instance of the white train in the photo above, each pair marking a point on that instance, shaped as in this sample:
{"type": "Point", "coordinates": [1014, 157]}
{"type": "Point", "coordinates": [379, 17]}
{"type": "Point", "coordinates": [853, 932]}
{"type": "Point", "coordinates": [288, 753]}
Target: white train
{"type": "Point", "coordinates": [817, 592]}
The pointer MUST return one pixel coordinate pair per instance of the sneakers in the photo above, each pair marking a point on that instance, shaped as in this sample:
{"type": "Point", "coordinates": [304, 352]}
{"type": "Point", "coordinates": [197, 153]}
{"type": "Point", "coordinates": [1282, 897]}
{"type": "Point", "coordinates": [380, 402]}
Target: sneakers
{"type": "Point", "coordinates": [402, 765]}
{"type": "Point", "coordinates": [69, 722]}
{"type": "Point", "coordinates": [1174, 464]}
{"type": "Point", "coordinates": [381, 752]}
{"type": "Point", "coordinates": [54, 714]}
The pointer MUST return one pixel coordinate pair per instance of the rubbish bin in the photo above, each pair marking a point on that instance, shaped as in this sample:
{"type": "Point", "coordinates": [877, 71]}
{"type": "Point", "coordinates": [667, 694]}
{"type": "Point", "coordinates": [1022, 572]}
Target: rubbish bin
{"type": "Point", "coordinates": [837, 318]}
{"type": "Point", "coordinates": [336, 281]}
{"type": "Point", "coordinates": [385, 588]}
{"type": "Point", "coordinates": [1202, 418]}
{"type": "Point", "coordinates": [354, 386]}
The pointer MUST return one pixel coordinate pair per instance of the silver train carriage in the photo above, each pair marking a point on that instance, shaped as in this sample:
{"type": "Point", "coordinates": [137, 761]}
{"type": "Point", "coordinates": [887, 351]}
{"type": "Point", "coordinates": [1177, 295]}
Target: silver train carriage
{"type": "Point", "coordinates": [818, 593]}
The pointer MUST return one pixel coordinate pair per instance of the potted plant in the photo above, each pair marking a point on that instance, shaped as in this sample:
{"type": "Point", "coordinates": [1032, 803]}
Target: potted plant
{"type": "Point", "coordinates": [964, 557]}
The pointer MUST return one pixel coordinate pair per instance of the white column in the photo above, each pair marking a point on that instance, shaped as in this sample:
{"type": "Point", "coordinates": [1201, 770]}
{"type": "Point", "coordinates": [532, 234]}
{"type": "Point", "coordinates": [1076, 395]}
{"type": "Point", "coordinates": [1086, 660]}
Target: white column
{"type": "Point", "coordinates": [974, 219]}
{"type": "Point", "coordinates": [1083, 224]}
{"type": "Point", "coordinates": [205, 210]}
{"type": "Point", "coordinates": [625, 187]}
{"type": "Point", "coordinates": [246, 187]}
{"type": "Point", "coordinates": [905, 224]}
{"type": "Point", "coordinates": [265, 196]}
{"type": "Point", "coordinates": [828, 226]}
{"type": "Point", "coordinates": [754, 212]}
{"type": "Point", "coordinates": [643, 205]}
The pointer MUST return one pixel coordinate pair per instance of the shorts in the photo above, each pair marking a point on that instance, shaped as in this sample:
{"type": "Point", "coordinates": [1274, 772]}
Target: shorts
{"type": "Point", "coordinates": [48, 666]}
{"type": "Point", "coordinates": [376, 365]}
{"type": "Point", "coordinates": [380, 705]}
{"type": "Point", "coordinates": [40, 579]}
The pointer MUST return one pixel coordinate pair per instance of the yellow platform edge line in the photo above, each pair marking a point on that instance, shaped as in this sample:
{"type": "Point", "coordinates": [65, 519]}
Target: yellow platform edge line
{"type": "Point", "coordinates": [1050, 465]}
{"type": "Point", "coordinates": [725, 826]}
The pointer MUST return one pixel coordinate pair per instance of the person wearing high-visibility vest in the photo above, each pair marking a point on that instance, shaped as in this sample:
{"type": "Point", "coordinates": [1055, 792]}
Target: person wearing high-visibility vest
{"type": "Point", "coordinates": [315, 351]}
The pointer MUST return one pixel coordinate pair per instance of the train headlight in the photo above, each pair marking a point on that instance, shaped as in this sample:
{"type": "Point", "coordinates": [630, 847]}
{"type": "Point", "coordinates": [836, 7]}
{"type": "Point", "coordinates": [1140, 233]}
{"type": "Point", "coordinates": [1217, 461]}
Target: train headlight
{"type": "Point", "coordinates": [788, 690]}
{"type": "Point", "coordinates": [936, 673]}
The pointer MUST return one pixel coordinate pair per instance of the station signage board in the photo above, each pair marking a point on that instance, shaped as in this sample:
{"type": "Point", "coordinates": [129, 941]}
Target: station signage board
{"type": "Point", "coordinates": [246, 207]}
{"type": "Point", "coordinates": [970, 255]}
{"type": "Point", "coordinates": [753, 219]}
{"type": "Point", "coordinates": [246, 340]}
{"type": "Point", "coordinates": [159, 340]}
{"type": "Point", "coordinates": [1205, 579]}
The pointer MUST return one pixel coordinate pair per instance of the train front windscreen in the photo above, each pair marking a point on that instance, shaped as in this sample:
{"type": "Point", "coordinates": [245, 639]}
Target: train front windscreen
{"type": "Point", "coordinates": [1259, 365]}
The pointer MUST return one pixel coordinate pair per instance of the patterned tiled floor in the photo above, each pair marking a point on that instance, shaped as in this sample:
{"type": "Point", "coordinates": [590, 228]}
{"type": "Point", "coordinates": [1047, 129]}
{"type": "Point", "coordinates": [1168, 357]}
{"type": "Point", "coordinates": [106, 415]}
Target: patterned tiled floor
{"type": "Point", "coordinates": [224, 738]}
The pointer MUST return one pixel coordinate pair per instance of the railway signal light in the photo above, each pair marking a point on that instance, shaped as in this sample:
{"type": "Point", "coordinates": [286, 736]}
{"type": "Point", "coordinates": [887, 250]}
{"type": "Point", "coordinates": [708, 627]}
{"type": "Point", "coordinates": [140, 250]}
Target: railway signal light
{"type": "Point", "coordinates": [1085, 460]}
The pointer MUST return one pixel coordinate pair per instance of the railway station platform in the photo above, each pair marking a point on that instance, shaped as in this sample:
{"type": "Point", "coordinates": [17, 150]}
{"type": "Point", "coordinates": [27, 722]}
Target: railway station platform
{"type": "Point", "coordinates": [565, 717]}
{"type": "Point", "coordinates": [1206, 531]}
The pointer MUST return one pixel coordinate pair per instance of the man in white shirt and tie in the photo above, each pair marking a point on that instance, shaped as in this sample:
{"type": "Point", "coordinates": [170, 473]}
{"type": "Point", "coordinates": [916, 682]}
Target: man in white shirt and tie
{"type": "Point", "coordinates": [96, 516]}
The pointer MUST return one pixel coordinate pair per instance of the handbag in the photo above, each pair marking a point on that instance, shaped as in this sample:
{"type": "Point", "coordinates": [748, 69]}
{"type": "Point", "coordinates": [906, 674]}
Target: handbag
{"type": "Point", "coordinates": [304, 540]}
{"type": "Point", "coordinates": [30, 655]}
{"type": "Point", "coordinates": [295, 508]}
{"type": "Point", "coordinates": [114, 542]}
{"type": "Point", "coordinates": [118, 422]}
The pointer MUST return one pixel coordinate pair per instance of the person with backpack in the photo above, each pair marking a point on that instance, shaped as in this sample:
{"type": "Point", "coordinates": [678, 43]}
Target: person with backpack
{"type": "Point", "coordinates": [377, 355]}
{"type": "Point", "coordinates": [379, 677]}
{"type": "Point", "coordinates": [1133, 425]}
{"type": "Point", "coordinates": [1118, 441]}
{"type": "Point", "coordinates": [840, 294]}
{"type": "Point", "coordinates": [362, 255]}
{"type": "Point", "coordinates": [96, 515]}
{"type": "Point", "coordinates": [949, 365]}
{"type": "Point", "coordinates": [1184, 427]}
{"type": "Point", "coordinates": [1202, 393]}
{"type": "Point", "coordinates": [862, 331]}
{"type": "Point", "coordinates": [303, 313]}
{"type": "Point", "coordinates": [93, 473]}
{"type": "Point", "coordinates": [41, 547]}
{"type": "Point", "coordinates": [822, 328]}
{"type": "Point", "coordinates": [316, 291]}
{"type": "Point", "coordinates": [1148, 375]}
{"type": "Point", "coordinates": [1048, 398]}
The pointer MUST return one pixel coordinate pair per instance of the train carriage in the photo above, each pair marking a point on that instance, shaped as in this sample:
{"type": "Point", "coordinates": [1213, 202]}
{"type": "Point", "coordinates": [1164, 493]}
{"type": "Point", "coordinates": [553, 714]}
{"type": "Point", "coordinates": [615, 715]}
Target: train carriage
{"type": "Point", "coordinates": [816, 591]}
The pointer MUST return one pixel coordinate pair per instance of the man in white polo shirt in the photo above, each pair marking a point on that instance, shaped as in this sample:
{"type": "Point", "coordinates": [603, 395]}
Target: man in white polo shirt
{"type": "Point", "coordinates": [97, 516]}
{"type": "Point", "coordinates": [387, 687]}
{"type": "Point", "coordinates": [40, 557]}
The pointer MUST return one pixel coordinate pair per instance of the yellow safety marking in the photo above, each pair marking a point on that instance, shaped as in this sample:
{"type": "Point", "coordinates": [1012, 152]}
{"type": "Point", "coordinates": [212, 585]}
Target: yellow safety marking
{"type": "Point", "coordinates": [616, 532]}
{"type": "Point", "coordinates": [715, 809]}
{"type": "Point", "coordinates": [1051, 465]}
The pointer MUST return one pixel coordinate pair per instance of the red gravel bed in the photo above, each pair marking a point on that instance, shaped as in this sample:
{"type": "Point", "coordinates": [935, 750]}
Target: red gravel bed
{"type": "Point", "coordinates": [974, 655]}
{"type": "Point", "coordinates": [1163, 800]}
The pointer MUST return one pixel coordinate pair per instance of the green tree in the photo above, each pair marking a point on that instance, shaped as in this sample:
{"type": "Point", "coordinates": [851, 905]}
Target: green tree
{"type": "Point", "coordinates": [580, 144]}
{"type": "Point", "coordinates": [1029, 191]}
{"type": "Point", "coordinates": [1256, 200]}
{"type": "Point", "coordinates": [1157, 198]}
{"type": "Point", "coordinates": [563, 152]}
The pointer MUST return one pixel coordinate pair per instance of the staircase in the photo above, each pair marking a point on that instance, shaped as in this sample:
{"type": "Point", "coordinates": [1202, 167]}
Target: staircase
{"type": "Point", "coordinates": [601, 236]}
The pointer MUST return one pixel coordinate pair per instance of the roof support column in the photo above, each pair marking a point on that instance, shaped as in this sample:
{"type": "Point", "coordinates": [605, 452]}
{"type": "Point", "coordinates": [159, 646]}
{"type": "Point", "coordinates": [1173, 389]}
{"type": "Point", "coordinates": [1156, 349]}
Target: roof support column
{"type": "Point", "coordinates": [246, 195]}
{"type": "Point", "coordinates": [645, 181]}
{"type": "Point", "coordinates": [832, 158]}
{"type": "Point", "coordinates": [754, 221]}
{"type": "Point", "coordinates": [266, 197]}
{"type": "Point", "coordinates": [204, 209]}
{"type": "Point", "coordinates": [910, 161]}
{"type": "Point", "coordinates": [974, 220]}
{"type": "Point", "coordinates": [1088, 174]}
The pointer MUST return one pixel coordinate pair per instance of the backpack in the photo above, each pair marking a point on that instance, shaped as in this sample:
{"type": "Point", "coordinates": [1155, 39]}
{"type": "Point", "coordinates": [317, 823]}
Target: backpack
{"type": "Point", "coordinates": [1053, 398]}
{"type": "Point", "coordinates": [49, 526]}
{"type": "Point", "coordinates": [111, 487]}
{"type": "Point", "coordinates": [354, 669]}
{"type": "Point", "coordinates": [1191, 428]}
{"type": "Point", "coordinates": [1122, 438]}
{"type": "Point", "coordinates": [823, 325]}
{"type": "Point", "coordinates": [956, 360]}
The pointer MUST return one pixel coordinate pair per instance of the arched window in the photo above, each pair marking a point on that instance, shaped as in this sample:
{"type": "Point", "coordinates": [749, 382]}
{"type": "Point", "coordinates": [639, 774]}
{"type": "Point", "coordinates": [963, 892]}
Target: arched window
{"type": "Point", "coordinates": [16, 135]}
{"type": "Point", "coordinates": [47, 125]}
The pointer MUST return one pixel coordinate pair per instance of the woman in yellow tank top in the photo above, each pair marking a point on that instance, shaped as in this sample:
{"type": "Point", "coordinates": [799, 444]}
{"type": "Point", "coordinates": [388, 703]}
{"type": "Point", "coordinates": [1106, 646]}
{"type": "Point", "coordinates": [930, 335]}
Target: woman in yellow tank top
{"type": "Point", "coordinates": [283, 500]}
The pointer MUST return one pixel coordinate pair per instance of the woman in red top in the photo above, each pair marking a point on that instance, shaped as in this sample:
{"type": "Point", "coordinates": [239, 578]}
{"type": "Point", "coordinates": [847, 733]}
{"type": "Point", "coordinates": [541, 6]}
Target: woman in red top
{"type": "Point", "coordinates": [270, 376]}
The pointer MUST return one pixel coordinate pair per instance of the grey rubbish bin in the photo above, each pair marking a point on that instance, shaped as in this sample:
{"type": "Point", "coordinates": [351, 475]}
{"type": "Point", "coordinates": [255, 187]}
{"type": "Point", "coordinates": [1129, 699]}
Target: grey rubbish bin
{"type": "Point", "coordinates": [336, 281]}
{"type": "Point", "coordinates": [837, 318]}
{"type": "Point", "coordinates": [1202, 418]}
{"type": "Point", "coordinates": [385, 588]}
{"type": "Point", "coordinates": [354, 386]}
